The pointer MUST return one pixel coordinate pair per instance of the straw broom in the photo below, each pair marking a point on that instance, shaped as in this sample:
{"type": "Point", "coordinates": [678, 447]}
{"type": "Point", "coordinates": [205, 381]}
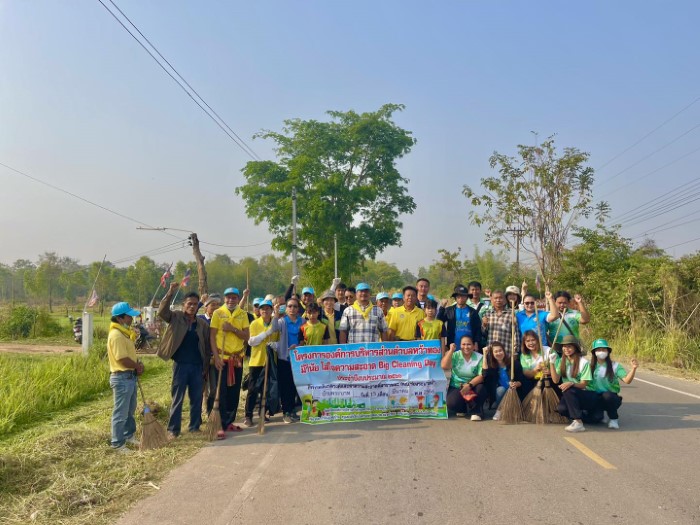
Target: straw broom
{"type": "Point", "coordinates": [550, 400]}
{"type": "Point", "coordinates": [533, 409]}
{"type": "Point", "coordinates": [510, 408]}
{"type": "Point", "coordinates": [153, 435]}
{"type": "Point", "coordinates": [261, 423]}
{"type": "Point", "coordinates": [214, 419]}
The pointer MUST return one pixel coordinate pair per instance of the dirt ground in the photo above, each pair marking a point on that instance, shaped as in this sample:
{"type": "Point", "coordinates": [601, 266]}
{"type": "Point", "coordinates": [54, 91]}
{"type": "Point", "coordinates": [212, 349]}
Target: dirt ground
{"type": "Point", "coordinates": [40, 348]}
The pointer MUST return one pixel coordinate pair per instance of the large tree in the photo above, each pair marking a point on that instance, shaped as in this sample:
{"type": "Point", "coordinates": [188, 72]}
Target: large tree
{"type": "Point", "coordinates": [344, 172]}
{"type": "Point", "coordinates": [536, 199]}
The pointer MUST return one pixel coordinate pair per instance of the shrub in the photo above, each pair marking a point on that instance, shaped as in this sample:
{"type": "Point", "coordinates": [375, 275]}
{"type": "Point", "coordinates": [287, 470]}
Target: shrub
{"type": "Point", "coordinates": [18, 322]}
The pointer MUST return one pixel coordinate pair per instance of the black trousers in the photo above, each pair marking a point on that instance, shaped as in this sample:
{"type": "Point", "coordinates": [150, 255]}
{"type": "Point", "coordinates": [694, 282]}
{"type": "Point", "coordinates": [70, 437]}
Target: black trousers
{"type": "Point", "coordinates": [229, 396]}
{"type": "Point", "coordinates": [574, 401]}
{"type": "Point", "coordinates": [456, 403]}
{"type": "Point", "coordinates": [254, 388]}
{"type": "Point", "coordinates": [288, 389]}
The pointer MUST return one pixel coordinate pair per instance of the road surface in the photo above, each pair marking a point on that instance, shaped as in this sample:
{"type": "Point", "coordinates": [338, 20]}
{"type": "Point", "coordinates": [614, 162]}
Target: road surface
{"type": "Point", "coordinates": [445, 472]}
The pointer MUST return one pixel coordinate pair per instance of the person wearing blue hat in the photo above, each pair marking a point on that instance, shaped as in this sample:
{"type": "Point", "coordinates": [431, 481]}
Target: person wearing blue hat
{"type": "Point", "coordinates": [124, 368]}
{"type": "Point", "coordinates": [308, 295]}
{"type": "Point", "coordinates": [383, 302]}
{"type": "Point", "coordinates": [261, 334]}
{"type": "Point", "coordinates": [229, 334]}
{"type": "Point", "coordinates": [256, 307]}
{"type": "Point", "coordinates": [362, 322]}
{"type": "Point", "coordinates": [396, 300]}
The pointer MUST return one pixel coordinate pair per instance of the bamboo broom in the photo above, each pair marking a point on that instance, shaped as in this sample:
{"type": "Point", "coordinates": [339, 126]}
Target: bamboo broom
{"type": "Point", "coordinates": [214, 418]}
{"type": "Point", "coordinates": [533, 409]}
{"type": "Point", "coordinates": [510, 408]}
{"type": "Point", "coordinates": [550, 399]}
{"type": "Point", "coordinates": [153, 434]}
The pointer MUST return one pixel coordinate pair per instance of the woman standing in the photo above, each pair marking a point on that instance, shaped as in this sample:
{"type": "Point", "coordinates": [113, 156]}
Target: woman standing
{"type": "Point", "coordinates": [466, 391]}
{"type": "Point", "coordinates": [575, 373]}
{"type": "Point", "coordinates": [605, 383]}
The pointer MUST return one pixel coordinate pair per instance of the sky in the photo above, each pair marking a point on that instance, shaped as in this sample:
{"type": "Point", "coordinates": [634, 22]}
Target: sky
{"type": "Point", "coordinates": [84, 108]}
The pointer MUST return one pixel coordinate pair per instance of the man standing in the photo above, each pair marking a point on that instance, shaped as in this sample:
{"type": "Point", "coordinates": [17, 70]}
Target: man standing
{"type": "Point", "coordinates": [229, 333]}
{"type": "Point", "coordinates": [461, 319]}
{"type": "Point", "coordinates": [186, 342]}
{"type": "Point", "coordinates": [404, 319]}
{"type": "Point", "coordinates": [362, 322]}
{"type": "Point", "coordinates": [529, 320]}
{"type": "Point", "coordinates": [260, 336]}
{"type": "Point", "coordinates": [475, 301]}
{"type": "Point", "coordinates": [423, 288]}
{"type": "Point", "coordinates": [560, 313]}
{"type": "Point", "coordinates": [499, 323]}
{"type": "Point", "coordinates": [123, 368]}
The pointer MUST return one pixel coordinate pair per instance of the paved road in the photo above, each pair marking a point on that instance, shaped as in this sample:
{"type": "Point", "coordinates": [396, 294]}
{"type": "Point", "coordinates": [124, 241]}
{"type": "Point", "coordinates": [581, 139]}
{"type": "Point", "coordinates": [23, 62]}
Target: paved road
{"type": "Point", "coordinates": [446, 472]}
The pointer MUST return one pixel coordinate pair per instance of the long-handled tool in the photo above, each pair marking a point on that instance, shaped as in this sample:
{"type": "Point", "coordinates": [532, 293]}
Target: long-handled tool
{"type": "Point", "coordinates": [510, 408]}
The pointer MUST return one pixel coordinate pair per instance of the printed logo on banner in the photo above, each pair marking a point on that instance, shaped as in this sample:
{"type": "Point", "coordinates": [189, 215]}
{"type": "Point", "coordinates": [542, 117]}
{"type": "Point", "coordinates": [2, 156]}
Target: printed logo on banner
{"type": "Point", "coordinates": [366, 381]}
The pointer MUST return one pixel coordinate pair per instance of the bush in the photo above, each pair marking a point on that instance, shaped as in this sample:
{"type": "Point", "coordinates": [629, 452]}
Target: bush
{"type": "Point", "coordinates": [18, 322]}
{"type": "Point", "coordinates": [22, 321]}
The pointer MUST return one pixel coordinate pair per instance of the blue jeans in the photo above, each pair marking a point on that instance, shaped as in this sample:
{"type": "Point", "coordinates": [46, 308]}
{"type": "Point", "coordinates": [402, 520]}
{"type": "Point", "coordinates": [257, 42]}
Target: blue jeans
{"type": "Point", "coordinates": [186, 377]}
{"type": "Point", "coordinates": [123, 422]}
{"type": "Point", "coordinates": [500, 392]}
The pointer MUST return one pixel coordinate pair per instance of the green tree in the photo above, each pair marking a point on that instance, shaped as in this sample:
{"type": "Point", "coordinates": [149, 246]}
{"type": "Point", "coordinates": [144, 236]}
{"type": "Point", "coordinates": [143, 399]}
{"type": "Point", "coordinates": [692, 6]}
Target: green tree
{"type": "Point", "coordinates": [538, 197]}
{"type": "Point", "coordinates": [44, 283]}
{"type": "Point", "coordinates": [344, 172]}
{"type": "Point", "coordinates": [381, 275]}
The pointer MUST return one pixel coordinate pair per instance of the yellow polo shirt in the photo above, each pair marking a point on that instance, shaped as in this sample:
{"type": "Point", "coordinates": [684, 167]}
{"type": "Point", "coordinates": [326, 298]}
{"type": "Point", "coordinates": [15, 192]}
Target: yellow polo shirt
{"type": "Point", "coordinates": [258, 355]}
{"type": "Point", "coordinates": [403, 323]}
{"type": "Point", "coordinates": [119, 346]}
{"type": "Point", "coordinates": [238, 319]}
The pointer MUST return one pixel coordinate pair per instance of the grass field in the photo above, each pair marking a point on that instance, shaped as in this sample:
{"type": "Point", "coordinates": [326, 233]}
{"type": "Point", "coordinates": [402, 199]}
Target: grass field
{"type": "Point", "coordinates": [56, 464]}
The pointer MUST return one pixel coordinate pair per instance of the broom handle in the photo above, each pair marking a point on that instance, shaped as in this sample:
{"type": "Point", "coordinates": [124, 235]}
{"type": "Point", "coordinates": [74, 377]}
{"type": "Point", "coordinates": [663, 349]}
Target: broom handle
{"type": "Point", "coordinates": [143, 398]}
{"type": "Point", "coordinates": [218, 381]}
{"type": "Point", "coordinates": [261, 424]}
{"type": "Point", "coordinates": [512, 340]}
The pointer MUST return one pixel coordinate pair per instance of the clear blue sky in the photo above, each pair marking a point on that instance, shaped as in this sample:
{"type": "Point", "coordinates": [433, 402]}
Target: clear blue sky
{"type": "Point", "coordinates": [83, 107]}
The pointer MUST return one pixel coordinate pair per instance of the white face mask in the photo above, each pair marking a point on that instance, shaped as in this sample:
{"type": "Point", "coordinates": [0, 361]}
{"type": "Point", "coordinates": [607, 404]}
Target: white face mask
{"type": "Point", "coordinates": [601, 354]}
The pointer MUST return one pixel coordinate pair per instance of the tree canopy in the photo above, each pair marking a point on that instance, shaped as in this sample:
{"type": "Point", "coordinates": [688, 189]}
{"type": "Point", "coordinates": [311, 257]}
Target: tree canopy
{"type": "Point", "coordinates": [347, 183]}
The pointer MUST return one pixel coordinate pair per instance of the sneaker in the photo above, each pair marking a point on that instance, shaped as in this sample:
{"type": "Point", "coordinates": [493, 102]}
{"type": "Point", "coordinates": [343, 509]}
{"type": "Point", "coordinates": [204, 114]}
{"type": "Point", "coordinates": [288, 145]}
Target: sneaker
{"type": "Point", "coordinates": [267, 418]}
{"type": "Point", "coordinates": [133, 441]}
{"type": "Point", "coordinates": [497, 415]}
{"type": "Point", "coordinates": [294, 417]}
{"type": "Point", "coordinates": [475, 418]}
{"type": "Point", "coordinates": [613, 423]}
{"type": "Point", "coordinates": [122, 450]}
{"type": "Point", "coordinates": [575, 426]}
{"type": "Point", "coordinates": [172, 436]}
{"type": "Point", "coordinates": [287, 419]}
{"type": "Point", "coordinates": [248, 422]}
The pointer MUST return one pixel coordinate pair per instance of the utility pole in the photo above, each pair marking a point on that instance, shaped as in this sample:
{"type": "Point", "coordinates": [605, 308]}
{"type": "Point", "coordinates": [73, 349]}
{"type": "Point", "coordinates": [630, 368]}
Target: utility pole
{"type": "Point", "coordinates": [295, 270]}
{"type": "Point", "coordinates": [518, 234]}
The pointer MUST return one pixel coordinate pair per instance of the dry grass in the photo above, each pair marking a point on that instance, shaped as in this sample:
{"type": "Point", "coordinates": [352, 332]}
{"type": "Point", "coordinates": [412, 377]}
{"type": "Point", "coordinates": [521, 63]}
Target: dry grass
{"type": "Point", "coordinates": [62, 470]}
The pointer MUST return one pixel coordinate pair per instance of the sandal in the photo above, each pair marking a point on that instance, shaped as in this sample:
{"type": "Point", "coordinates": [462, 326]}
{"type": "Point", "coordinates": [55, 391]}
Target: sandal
{"type": "Point", "coordinates": [234, 428]}
{"type": "Point", "coordinates": [221, 435]}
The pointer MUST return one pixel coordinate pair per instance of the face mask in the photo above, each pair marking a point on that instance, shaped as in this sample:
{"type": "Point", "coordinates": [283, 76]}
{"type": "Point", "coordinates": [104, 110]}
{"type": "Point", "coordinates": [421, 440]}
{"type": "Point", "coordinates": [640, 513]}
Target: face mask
{"type": "Point", "coordinates": [601, 354]}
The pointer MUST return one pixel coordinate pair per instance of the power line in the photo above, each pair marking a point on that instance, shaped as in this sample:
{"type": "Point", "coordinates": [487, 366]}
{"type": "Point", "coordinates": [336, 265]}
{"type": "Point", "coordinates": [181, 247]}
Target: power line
{"type": "Point", "coordinates": [121, 215]}
{"type": "Point", "coordinates": [648, 134]}
{"type": "Point", "coordinates": [637, 179]}
{"type": "Point", "coordinates": [222, 124]}
{"type": "Point", "coordinates": [651, 154]}
{"type": "Point", "coordinates": [658, 229]}
{"type": "Point", "coordinates": [630, 215]}
{"type": "Point", "coordinates": [681, 243]}
{"type": "Point", "coordinates": [234, 246]}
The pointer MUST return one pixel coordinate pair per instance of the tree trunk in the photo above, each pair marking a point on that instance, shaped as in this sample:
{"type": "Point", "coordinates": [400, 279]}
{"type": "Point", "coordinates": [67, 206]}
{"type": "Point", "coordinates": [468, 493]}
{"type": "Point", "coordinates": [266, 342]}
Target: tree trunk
{"type": "Point", "coordinates": [203, 287]}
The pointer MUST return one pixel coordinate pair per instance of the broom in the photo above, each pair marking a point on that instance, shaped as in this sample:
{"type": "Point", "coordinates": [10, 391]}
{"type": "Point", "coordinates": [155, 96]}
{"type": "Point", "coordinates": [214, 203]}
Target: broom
{"type": "Point", "coordinates": [153, 435]}
{"type": "Point", "coordinates": [550, 399]}
{"type": "Point", "coordinates": [261, 423]}
{"type": "Point", "coordinates": [533, 409]}
{"type": "Point", "coordinates": [214, 419]}
{"type": "Point", "coordinates": [510, 408]}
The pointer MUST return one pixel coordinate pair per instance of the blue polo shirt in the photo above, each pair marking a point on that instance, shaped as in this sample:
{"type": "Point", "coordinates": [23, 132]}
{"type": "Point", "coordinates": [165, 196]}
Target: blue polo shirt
{"type": "Point", "coordinates": [527, 322]}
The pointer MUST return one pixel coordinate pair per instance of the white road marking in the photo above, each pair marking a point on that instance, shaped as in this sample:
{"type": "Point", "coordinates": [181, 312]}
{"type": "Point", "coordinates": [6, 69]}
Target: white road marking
{"type": "Point", "coordinates": [667, 388]}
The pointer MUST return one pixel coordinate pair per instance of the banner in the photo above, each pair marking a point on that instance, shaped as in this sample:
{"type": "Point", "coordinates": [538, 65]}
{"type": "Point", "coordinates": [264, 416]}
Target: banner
{"type": "Point", "coordinates": [360, 382]}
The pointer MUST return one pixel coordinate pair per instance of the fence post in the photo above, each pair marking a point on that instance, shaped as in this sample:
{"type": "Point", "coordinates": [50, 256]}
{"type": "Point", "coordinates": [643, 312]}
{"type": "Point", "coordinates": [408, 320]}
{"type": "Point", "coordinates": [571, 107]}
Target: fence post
{"type": "Point", "coordinates": [87, 332]}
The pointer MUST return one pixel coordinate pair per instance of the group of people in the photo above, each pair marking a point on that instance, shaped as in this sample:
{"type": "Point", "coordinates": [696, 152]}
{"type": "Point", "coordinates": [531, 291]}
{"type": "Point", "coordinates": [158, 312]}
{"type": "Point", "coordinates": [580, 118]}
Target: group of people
{"type": "Point", "coordinates": [209, 349]}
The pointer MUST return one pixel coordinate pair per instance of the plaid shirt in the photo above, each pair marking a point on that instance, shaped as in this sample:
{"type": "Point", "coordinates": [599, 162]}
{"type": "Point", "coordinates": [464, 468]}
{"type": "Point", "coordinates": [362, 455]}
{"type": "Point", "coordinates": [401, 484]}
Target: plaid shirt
{"type": "Point", "coordinates": [359, 330]}
{"type": "Point", "coordinates": [499, 329]}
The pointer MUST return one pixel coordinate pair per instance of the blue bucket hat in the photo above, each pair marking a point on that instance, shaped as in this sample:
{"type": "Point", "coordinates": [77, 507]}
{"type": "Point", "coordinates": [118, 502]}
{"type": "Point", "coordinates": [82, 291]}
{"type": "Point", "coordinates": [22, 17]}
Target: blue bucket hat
{"type": "Point", "coordinates": [231, 291]}
{"type": "Point", "coordinates": [124, 308]}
